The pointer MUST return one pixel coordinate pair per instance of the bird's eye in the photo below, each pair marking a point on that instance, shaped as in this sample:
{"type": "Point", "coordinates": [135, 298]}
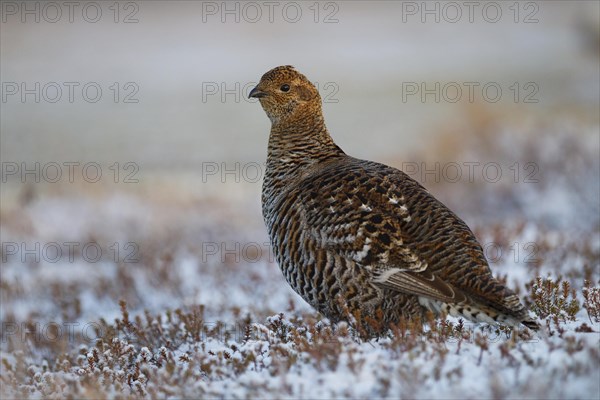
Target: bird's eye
{"type": "Point", "coordinates": [285, 87]}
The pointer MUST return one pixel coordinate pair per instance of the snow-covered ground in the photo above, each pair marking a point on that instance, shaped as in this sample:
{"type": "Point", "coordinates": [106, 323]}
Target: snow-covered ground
{"type": "Point", "coordinates": [136, 294]}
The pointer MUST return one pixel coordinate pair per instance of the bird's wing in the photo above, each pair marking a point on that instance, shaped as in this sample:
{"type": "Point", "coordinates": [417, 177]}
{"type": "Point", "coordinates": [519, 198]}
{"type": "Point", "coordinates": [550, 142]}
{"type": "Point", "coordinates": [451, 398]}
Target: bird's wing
{"type": "Point", "coordinates": [378, 220]}
{"type": "Point", "coordinates": [421, 284]}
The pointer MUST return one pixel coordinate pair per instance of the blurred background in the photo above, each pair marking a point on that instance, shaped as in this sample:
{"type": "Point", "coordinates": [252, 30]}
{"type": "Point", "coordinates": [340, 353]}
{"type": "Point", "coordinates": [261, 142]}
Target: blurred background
{"type": "Point", "coordinates": [191, 64]}
{"type": "Point", "coordinates": [128, 124]}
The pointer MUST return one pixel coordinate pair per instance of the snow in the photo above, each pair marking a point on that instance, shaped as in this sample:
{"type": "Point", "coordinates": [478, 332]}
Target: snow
{"type": "Point", "coordinates": [224, 323]}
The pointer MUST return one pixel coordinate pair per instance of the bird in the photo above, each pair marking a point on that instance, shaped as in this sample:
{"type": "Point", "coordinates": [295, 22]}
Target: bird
{"type": "Point", "coordinates": [360, 241]}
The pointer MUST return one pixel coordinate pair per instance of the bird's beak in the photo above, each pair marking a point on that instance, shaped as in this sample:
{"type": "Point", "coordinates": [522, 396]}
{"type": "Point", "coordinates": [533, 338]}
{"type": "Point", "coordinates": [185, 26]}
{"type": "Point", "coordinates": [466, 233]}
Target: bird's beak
{"type": "Point", "coordinates": [256, 93]}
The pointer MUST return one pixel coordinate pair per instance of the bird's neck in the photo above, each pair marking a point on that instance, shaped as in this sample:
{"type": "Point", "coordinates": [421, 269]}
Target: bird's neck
{"type": "Point", "coordinates": [300, 141]}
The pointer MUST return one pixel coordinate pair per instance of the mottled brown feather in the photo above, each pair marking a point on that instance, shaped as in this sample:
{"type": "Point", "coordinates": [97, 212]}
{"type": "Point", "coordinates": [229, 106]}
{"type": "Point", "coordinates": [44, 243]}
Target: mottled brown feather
{"type": "Point", "coordinates": [359, 237]}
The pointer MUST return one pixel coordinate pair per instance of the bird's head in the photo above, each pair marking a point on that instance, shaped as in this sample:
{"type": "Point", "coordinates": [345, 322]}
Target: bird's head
{"type": "Point", "coordinates": [285, 93]}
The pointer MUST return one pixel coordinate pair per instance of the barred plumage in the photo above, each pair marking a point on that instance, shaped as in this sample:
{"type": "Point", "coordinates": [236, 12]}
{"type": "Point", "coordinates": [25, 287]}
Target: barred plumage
{"type": "Point", "coordinates": [359, 239]}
